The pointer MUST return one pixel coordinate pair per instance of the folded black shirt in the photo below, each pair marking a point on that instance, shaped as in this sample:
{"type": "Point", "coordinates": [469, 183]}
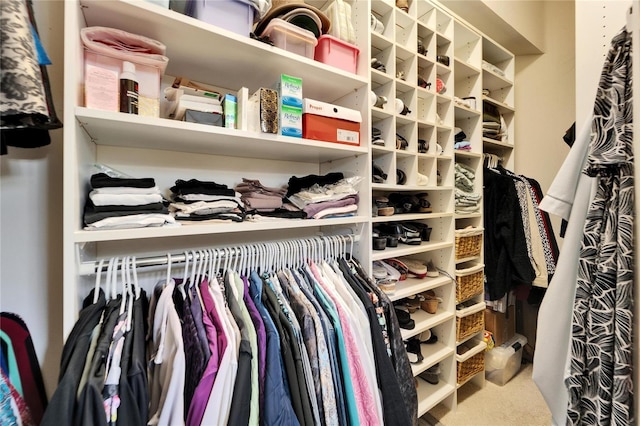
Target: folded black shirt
{"type": "Point", "coordinates": [102, 180]}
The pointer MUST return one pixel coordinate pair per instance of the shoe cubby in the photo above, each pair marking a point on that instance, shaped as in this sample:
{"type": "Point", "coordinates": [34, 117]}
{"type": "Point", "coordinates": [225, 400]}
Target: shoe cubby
{"type": "Point", "coordinates": [426, 39]}
{"type": "Point", "coordinates": [383, 60]}
{"type": "Point", "coordinates": [426, 111]}
{"type": "Point", "coordinates": [426, 15]}
{"type": "Point", "coordinates": [445, 166]}
{"type": "Point", "coordinates": [426, 75]}
{"type": "Point", "coordinates": [470, 123]}
{"type": "Point", "coordinates": [406, 131]}
{"type": "Point", "coordinates": [383, 12]}
{"type": "Point", "coordinates": [408, 164]}
{"type": "Point", "coordinates": [385, 93]}
{"type": "Point", "coordinates": [406, 67]}
{"type": "Point", "coordinates": [498, 73]}
{"type": "Point", "coordinates": [444, 109]}
{"type": "Point", "coordinates": [426, 139]}
{"type": "Point", "coordinates": [426, 168]}
{"type": "Point", "coordinates": [386, 126]}
{"type": "Point", "coordinates": [387, 163]}
{"type": "Point", "coordinates": [467, 46]}
{"type": "Point", "coordinates": [405, 30]}
{"type": "Point", "coordinates": [407, 107]}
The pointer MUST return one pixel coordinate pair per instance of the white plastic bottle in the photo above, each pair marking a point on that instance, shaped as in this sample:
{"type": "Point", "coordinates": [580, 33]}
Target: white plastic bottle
{"type": "Point", "coordinates": [128, 88]}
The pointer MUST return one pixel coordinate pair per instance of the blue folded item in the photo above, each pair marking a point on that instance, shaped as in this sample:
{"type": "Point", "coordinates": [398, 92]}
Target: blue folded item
{"type": "Point", "coordinates": [462, 145]}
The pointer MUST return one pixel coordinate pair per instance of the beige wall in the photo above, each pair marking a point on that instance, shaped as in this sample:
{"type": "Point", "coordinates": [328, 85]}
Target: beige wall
{"type": "Point", "coordinates": [31, 218]}
{"type": "Point", "coordinates": [525, 16]}
{"type": "Point", "coordinates": [545, 96]}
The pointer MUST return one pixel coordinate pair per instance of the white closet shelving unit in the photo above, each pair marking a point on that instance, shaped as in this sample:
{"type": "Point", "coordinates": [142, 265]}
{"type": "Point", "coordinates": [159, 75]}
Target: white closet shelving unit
{"type": "Point", "coordinates": [168, 150]}
{"type": "Point", "coordinates": [396, 48]}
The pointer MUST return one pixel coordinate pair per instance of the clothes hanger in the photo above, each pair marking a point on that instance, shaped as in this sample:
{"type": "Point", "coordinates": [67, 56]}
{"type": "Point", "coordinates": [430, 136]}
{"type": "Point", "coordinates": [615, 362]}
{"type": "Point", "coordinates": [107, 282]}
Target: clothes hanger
{"type": "Point", "coordinates": [132, 297]}
{"type": "Point", "coordinates": [185, 272]}
{"type": "Point", "coordinates": [96, 289]}
{"type": "Point", "coordinates": [124, 269]}
{"type": "Point", "coordinates": [114, 279]}
{"type": "Point", "coordinates": [194, 264]}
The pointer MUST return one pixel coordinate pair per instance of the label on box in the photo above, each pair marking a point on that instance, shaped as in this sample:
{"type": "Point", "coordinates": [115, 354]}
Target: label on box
{"type": "Point", "coordinates": [101, 88]}
{"type": "Point", "coordinates": [348, 136]}
{"type": "Point", "coordinates": [290, 90]}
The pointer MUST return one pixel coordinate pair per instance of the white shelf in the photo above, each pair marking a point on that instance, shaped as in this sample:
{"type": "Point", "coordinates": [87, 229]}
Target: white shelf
{"type": "Point", "coordinates": [407, 250]}
{"type": "Point", "coordinates": [492, 143]}
{"type": "Point", "coordinates": [412, 286]}
{"type": "Point", "coordinates": [431, 395]}
{"type": "Point", "coordinates": [467, 154]}
{"type": "Point", "coordinates": [209, 229]}
{"type": "Point", "coordinates": [493, 81]}
{"type": "Point", "coordinates": [406, 188]}
{"type": "Point", "coordinates": [502, 107]}
{"type": "Point", "coordinates": [133, 131]}
{"type": "Point", "coordinates": [409, 217]}
{"type": "Point", "coordinates": [210, 54]}
{"type": "Point", "coordinates": [462, 111]}
{"type": "Point", "coordinates": [468, 215]}
{"type": "Point", "coordinates": [464, 69]}
{"type": "Point", "coordinates": [425, 321]}
{"type": "Point", "coordinates": [432, 353]}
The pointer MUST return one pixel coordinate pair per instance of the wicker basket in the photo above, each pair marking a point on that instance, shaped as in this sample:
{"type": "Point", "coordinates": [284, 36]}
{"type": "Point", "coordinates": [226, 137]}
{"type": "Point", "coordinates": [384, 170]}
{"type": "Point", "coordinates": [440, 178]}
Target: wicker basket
{"type": "Point", "coordinates": [470, 367]}
{"type": "Point", "coordinates": [469, 282]}
{"type": "Point", "coordinates": [469, 325]}
{"type": "Point", "coordinates": [468, 242]}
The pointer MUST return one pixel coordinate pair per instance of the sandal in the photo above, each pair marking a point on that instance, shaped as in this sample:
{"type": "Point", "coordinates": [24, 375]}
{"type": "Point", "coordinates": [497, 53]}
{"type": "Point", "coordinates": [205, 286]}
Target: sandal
{"type": "Point", "coordinates": [416, 268]}
{"type": "Point", "coordinates": [414, 350]}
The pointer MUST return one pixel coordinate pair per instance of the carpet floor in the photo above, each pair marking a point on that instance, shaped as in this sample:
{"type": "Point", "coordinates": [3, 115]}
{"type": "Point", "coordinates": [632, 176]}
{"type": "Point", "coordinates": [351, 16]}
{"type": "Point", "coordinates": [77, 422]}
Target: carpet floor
{"type": "Point", "coordinates": [517, 403]}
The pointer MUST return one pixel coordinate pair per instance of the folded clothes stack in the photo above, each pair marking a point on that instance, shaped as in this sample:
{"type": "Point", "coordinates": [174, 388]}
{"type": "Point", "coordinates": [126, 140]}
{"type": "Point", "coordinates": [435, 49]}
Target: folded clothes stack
{"type": "Point", "coordinates": [466, 200]}
{"type": "Point", "coordinates": [123, 203]}
{"type": "Point", "coordinates": [324, 196]}
{"type": "Point", "coordinates": [461, 142]}
{"type": "Point", "coordinates": [197, 201]}
{"type": "Point", "coordinates": [262, 201]}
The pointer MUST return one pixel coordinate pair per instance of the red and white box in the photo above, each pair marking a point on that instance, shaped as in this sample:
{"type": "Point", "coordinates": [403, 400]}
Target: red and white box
{"type": "Point", "coordinates": [331, 123]}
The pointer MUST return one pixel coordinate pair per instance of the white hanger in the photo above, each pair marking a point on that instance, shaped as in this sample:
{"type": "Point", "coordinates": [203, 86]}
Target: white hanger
{"type": "Point", "coordinates": [114, 279]}
{"type": "Point", "coordinates": [194, 265]}
{"type": "Point", "coordinates": [124, 269]}
{"type": "Point", "coordinates": [96, 289]}
{"type": "Point", "coordinates": [130, 292]}
{"type": "Point", "coordinates": [169, 260]}
{"type": "Point", "coordinates": [185, 272]}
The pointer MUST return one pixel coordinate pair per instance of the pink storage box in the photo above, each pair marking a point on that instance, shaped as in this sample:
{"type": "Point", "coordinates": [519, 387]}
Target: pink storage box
{"type": "Point", "coordinates": [333, 51]}
{"type": "Point", "coordinates": [232, 15]}
{"type": "Point", "coordinates": [291, 38]}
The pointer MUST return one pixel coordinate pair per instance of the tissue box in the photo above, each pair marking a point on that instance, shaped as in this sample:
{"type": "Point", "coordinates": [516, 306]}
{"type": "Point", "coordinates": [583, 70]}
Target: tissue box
{"type": "Point", "coordinates": [291, 121]}
{"type": "Point", "coordinates": [290, 91]}
{"type": "Point", "coordinates": [331, 123]}
{"type": "Point", "coordinates": [263, 111]}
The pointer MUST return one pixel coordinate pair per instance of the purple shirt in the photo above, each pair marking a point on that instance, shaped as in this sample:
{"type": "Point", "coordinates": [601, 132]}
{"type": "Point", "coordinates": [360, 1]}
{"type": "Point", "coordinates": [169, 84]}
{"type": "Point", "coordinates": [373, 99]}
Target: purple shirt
{"type": "Point", "coordinates": [262, 339]}
{"type": "Point", "coordinates": [217, 344]}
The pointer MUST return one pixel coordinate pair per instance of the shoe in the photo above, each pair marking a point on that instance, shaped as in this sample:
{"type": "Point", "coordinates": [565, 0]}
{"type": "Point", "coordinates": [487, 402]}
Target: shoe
{"type": "Point", "coordinates": [422, 180]}
{"type": "Point", "coordinates": [377, 174]}
{"type": "Point", "coordinates": [379, 243]}
{"type": "Point", "coordinates": [416, 268]}
{"type": "Point", "coordinates": [399, 266]}
{"type": "Point", "coordinates": [432, 271]}
{"type": "Point", "coordinates": [378, 271]}
{"type": "Point", "coordinates": [414, 351]}
{"type": "Point", "coordinates": [428, 338]}
{"type": "Point", "coordinates": [424, 206]}
{"type": "Point", "coordinates": [431, 375]}
{"type": "Point", "coordinates": [429, 301]}
{"type": "Point", "coordinates": [403, 4]}
{"type": "Point", "coordinates": [411, 235]}
{"type": "Point", "coordinates": [387, 286]}
{"type": "Point", "coordinates": [404, 319]}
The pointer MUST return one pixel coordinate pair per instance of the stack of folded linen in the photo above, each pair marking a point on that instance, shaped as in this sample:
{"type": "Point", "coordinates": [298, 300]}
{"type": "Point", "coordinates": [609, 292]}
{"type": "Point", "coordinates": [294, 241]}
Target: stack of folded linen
{"type": "Point", "coordinates": [461, 141]}
{"type": "Point", "coordinates": [263, 201]}
{"type": "Point", "coordinates": [122, 203]}
{"type": "Point", "coordinates": [326, 196]}
{"type": "Point", "coordinates": [197, 201]}
{"type": "Point", "coordinates": [467, 201]}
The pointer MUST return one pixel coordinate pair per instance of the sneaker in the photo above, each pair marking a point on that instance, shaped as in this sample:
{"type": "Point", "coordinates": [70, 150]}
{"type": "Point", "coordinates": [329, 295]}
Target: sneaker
{"type": "Point", "coordinates": [431, 374]}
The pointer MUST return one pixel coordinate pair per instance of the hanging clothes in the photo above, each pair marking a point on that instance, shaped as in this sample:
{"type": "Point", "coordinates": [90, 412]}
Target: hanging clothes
{"type": "Point", "coordinates": [600, 382]}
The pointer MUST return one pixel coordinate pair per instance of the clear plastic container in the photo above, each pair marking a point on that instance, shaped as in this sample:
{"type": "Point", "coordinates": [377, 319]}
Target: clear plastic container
{"type": "Point", "coordinates": [291, 38]}
{"type": "Point", "coordinates": [232, 15]}
{"type": "Point", "coordinates": [503, 362]}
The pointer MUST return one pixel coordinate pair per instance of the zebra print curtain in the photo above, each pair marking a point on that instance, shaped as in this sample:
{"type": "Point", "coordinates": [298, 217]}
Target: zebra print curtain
{"type": "Point", "coordinates": [599, 382]}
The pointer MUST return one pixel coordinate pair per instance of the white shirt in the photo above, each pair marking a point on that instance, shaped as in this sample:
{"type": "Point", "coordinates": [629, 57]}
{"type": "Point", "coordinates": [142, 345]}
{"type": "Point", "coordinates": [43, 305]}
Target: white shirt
{"type": "Point", "coordinates": [569, 197]}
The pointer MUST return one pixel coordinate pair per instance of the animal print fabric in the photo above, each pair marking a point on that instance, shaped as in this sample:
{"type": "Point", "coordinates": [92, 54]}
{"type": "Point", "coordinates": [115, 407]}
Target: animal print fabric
{"type": "Point", "coordinates": [599, 381]}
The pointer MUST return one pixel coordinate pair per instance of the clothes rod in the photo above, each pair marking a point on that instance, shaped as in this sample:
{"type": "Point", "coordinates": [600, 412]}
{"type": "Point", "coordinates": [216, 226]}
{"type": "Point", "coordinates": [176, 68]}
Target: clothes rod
{"type": "Point", "coordinates": [90, 268]}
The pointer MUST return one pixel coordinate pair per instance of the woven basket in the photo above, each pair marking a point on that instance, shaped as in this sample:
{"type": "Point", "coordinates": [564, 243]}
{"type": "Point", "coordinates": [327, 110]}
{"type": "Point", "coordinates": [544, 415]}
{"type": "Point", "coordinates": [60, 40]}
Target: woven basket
{"type": "Point", "coordinates": [468, 242]}
{"type": "Point", "coordinates": [470, 367]}
{"type": "Point", "coordinates": [469, 282]}
{"type": "Point", "coordinates": [471, 324]}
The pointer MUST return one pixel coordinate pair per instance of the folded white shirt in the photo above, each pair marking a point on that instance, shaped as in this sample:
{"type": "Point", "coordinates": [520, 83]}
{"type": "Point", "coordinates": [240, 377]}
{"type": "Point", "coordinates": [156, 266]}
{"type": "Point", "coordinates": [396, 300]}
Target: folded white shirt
{"type": "Point", "coordinates": [124, 199]}
{"type": "Point", "coordinates": [203, 205]}
{"type": "Point", "coordinates": [126, 190]}
{"type": "Point", "coordinates": [132, 221]}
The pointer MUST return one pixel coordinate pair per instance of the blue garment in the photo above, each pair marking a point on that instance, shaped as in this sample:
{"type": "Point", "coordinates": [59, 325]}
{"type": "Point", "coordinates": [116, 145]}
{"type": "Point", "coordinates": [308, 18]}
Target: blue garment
{"type": "Point", "coordinates": [277, 403]}
{"type": "Point", "coordinates": [330, 333]}
{"type": "Point", "coordinates": [330, 309]}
